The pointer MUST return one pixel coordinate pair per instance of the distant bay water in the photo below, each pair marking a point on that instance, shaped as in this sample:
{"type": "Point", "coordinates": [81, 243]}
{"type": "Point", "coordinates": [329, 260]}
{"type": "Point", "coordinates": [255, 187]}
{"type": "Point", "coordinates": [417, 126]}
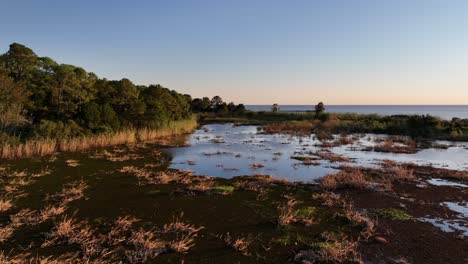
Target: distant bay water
{"type": "Point", "coordinates": [442, 111]}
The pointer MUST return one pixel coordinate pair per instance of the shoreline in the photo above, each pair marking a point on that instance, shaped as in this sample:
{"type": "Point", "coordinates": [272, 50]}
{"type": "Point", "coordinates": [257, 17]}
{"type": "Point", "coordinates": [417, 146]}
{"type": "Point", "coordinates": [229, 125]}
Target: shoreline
{"type": "Point", "coordinates": [44, 147]}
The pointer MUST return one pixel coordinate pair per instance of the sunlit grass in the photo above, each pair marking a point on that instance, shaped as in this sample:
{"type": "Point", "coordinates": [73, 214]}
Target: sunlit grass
{"type": "Point", "coordinates": [49, 146]}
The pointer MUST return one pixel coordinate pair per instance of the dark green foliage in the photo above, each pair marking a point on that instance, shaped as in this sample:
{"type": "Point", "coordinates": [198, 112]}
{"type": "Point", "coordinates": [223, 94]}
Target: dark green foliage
{"type": "Point", "coordinates": [275, 108]}
{"type": "Point", "coordinates": [319, 108]}
{"type": "Point", "coordinates": [43, 99]}
{"type": "Point", "coordinates": [418, 127]}
{"type": "Point", "coordinates": [216, 105]}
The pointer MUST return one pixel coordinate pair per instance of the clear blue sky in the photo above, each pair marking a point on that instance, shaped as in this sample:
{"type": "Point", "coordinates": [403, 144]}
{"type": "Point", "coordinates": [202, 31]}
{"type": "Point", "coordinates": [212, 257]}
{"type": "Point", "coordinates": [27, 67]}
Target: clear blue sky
{"type": "Point", "coordinates": [259, 52]}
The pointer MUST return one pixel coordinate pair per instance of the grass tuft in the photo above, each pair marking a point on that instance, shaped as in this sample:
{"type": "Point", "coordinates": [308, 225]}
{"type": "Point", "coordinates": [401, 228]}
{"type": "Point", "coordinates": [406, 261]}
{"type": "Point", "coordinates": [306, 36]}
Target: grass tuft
{"type": "Point", "coordinates": [394, 214]}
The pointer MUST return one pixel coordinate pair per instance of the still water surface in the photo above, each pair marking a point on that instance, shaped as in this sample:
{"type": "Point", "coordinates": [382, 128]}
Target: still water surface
{"type": "Point", "coordinates": [224, 150]}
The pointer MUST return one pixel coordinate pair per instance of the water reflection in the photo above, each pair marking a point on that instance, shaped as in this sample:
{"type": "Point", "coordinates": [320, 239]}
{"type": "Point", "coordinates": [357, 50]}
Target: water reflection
{"type": "Point", "coordinates": [224, 150]}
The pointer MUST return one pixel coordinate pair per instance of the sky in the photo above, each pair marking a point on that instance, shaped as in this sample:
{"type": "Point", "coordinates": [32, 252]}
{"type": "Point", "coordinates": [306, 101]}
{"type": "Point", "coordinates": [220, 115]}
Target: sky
{"type": "Point", "coordinates": [347, 52]}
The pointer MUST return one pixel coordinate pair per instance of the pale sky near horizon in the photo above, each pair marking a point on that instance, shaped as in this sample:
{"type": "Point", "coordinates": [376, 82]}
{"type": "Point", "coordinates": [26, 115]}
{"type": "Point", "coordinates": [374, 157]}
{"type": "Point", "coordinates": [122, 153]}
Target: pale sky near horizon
{"type": "Point", "coordinates": [259, 51]}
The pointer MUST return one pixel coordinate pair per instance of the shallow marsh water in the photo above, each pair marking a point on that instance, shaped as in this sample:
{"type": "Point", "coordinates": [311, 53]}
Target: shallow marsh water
{"type": "Point", "coordinates": [224, 150]}
{"type": "Point", "coordinates": [111, 193]}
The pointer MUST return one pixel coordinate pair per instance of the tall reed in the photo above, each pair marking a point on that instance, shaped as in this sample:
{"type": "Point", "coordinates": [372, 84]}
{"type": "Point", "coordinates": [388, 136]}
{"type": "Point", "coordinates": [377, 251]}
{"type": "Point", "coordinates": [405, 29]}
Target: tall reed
{"type": "Point", "coordinates": [49, 146]}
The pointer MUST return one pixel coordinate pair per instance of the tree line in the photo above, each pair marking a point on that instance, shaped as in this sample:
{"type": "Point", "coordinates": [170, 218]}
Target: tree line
{"type": "Point", "coordinates": [216, 105]}
{"type": "Point", "coordinates": [40, 98]}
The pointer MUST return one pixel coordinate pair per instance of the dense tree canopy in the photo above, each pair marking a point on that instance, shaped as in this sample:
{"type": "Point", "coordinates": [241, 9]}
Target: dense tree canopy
{"type": "Point", "coordinates": [42, 98]}
{"type": "Point", "coordinates": [216, 105]}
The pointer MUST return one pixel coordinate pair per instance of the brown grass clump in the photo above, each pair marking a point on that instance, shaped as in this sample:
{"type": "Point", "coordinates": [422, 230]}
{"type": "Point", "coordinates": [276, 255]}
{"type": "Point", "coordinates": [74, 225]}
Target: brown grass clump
{"type": "Point", "coordinates": [240, 244]}
{"type": "Point", "coordinates": [72, 232]}
{"type": "Point", "coordinates": [123, 242]}
{"type": "Point", "coordinates": [146, 246]}
{"type": "Point", "coordinates": [121, 226]}
{"type": "Point", "coordinates": [356, 218]}
{"type": "Point", "coordinates": [178, 225]}
{"type": "Point", "coordinates": [43, 172]}
{"type": "Point", "coordinates": [140, 173]}
{"type": "Point", "coordinates": [72, 163]}
{"type": "Point", "coordinates": [6, 232]}
{"type": "Point", "coordinates": [71, 192]}
{"type": "Point", "coordinates": [330, 199]}
{"type": "Point", "coordinates": [201, 185]}
{"type": "Point", "coordinates": [388, 163]}
{"type": "Point", "coordinates": [116, 156]}
{"type": "Point", "coordinates": [23, 217]}
{"type": "Point", "coordinates": [333, 157]}
{"type": "Point", "coordinates": [344, 179]}
{"type": "Point", "coordinates": [5, 204]}
{"type": "Point", "coordinates": [286, 213]}
{"type": "Point", "coordinates": [333, 250]}
{"type": "Point", "coordinates": [396, 145]}
{"type": "Point", "coordinates": [400, 173]}
{"type": "Point", "coordinates": [52, 211]}
{"type": "Point", "coordinates": [183, 243]}
{"type": "Point", "coordinates": [343, 140]}
{"type": "Point", "coordinates": [157, 177]}
{"type": "Point", "coordinates": [348, 212]}
{"type": "Point", "coordinates": [27, 258]}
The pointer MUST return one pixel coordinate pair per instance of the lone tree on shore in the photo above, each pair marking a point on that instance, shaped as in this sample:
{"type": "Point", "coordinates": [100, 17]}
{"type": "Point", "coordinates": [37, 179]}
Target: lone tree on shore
{"type": "Point", "coordinates": [275, 108]}
{"type": "Point", "coordinates": [319, 108]}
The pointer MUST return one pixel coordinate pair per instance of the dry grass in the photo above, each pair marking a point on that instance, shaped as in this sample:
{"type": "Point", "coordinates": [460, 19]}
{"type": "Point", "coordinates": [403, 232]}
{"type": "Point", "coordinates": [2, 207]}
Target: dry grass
{"type": "Point", "coordinates": [121, 226]}
{"type": "Point", "coordinates": [72, 163]}
{"type": "Point", "coordinates": [28, 259]}
{"type": "Point", "coordinates": [240, 244]}
{"type": "Point", "coordinates": [52, 211]}
{"type": "Point", "coordinates": [145, 176]}
{"type": "Point", "coordinates": [400, 173]}
{"type": "Point", "coordinates": [202, 185]}
{"type": "Point", "coordinates": [72, 232]}
{"type": "Point", "coordinates": [329, 199]}
{"type": "Point", "coordinates": [71, 192]}
{"type": "Point", "coordinates": [140, 173]}
{"type": "Point", "coordinates": [6, 232]}
{"type": "Point", "coordinates": [348, 212]}
{"type": "Point", "coordinates": [183, 243]}
{"type": "Point", "coordinates": [333, 157]}
{"type": "Point", "coordinates": [116, 156]}
{"type": "Point", "coordinates": [343, 140]}
{"type": "Point", "coordinates": [396, 145]}
{"type": "Point", "coordinates": [178, 225]}
{"type": "Point", "coordinates": [333, 250]}
{"type": "Point", "coordinates": [23, 217]}
{"type": "Point", "coordinates": [49, 146]}
{"type": "Point", "coordinates": [146, 246]}
{"type": "Point", "coordinates": [286, 212]}
{"type": "Point", "coordinates": [122, 241]}
{"type": "Point", "coordinates": [344, 179]}
{"type": "Point", "coordinates": [5, 204]}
